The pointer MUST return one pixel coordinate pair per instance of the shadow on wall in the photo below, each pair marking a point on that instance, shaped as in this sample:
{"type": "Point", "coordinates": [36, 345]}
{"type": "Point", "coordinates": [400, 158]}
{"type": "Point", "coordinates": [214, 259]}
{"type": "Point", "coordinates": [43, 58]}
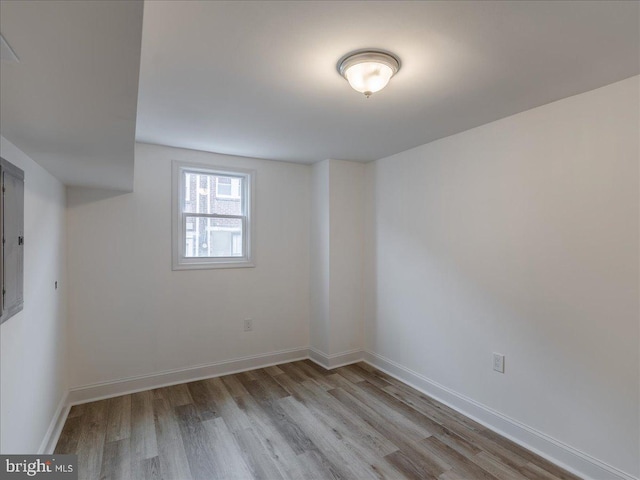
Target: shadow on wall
{"type": "Point", "coordinates": [77, 196]}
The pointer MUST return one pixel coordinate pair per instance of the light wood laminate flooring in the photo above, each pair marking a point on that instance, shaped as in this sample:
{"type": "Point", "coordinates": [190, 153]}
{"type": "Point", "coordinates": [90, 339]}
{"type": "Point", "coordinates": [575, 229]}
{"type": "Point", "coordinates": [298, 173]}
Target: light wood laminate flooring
{"type": "Point", "coordinates": [294, 421]}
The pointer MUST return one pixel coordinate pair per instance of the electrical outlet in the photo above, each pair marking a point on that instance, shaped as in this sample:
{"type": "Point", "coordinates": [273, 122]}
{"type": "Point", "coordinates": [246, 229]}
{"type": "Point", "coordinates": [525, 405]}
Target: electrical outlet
{"type": "Point", "coordinates": [248, 325]}
{"type": "Point", "coordinates": [498, 362]}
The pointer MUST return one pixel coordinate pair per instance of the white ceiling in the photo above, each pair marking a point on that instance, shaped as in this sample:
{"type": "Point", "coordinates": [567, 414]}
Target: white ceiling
{"type": "Point", "coordinates": [70, 103]}
{"type": "Point", "coordinates": [259, 78]}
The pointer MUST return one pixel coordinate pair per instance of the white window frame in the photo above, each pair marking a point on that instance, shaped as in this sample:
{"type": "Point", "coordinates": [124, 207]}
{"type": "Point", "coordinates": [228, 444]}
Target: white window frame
{"type": "Point", "coordinates": [179, 218]}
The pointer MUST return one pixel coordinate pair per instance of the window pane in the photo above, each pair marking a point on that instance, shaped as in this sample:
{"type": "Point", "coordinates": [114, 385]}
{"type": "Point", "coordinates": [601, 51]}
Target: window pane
{"type": "Point", "coordinates": [213, 237]}
{"type": "Point", "coordinates": [208, 193]}
{"type": "Point", "coordinates": [224, 187]}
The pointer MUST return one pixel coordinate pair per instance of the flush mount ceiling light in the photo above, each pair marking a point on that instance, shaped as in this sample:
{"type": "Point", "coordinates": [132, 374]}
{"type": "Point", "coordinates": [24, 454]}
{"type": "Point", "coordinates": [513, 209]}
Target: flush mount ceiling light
{"type": "Point", "coordinates": [368, 71]}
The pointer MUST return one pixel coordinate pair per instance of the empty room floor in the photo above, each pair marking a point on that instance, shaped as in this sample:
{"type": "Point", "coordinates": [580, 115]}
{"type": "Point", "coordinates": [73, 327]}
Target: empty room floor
{"type": "Point", "coordinates": [295, 421]}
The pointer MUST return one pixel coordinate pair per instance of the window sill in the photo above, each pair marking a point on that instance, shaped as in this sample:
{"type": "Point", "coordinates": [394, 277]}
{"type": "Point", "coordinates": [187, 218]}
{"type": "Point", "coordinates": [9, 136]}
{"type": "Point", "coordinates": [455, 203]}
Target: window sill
{"type": "Point", "coordinates": [213, 265]}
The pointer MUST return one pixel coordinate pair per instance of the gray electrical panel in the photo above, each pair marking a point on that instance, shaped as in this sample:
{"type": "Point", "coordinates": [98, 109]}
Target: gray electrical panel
{"type": "Point", "coordinates": [12, 237]}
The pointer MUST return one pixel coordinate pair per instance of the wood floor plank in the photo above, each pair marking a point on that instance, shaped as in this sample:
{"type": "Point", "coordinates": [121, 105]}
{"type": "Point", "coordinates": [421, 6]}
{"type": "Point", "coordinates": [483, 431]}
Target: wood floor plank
{"type": "Point", "coordinates": [273, 370]}
{"type": "Point", "coordinates": [68, 440]}
{"type": "Point", "coordinates": [371, 375]}
{"type": "Point", "coordinates": [349, 374]}
{"type": "Point", "coordinates": [249, 375]}
{"type": "Point", "coordinates": [323, 379]}
{"type": "Point", "coordinates": [310, 363]}
{"type": "Point", "coordinates": [233, 385]}
{"type": "Point", "coordinates": [330, 443]}
{"type": "Point", "coordinates": [402, 408]}
{"type": "Point", "coordinates": [412, 427]}
{"type": "Point", "coordinates": [409, 469]}
{"type": "Point", "coordinates": [242, 412]}
{"type": "Point", "coordinates": [91, 440]}
{"type": "Point", "coordinates": [342, 450]}
{"type": "Point", "coordinates": [458, 462]}
{"type": "Point", "coordinates": [149, 469]}
{"type": "Point", "coordinates": [496, 468]}
{"type": "Point", "coordinates": [428, 404]}
{"type": "Point", "coordinates": [256, 456]}
{"type": "Point", "coordinates": [531, 457]}
{"type": "Point", "coordinates": [116, 461]}
{"type": "Point", "coordinates": [206, 407]}
{"type": "Point", "coordinates": [458, 443]}
{"type": "Point", "coordinates": [316, 467]}
{"type": "Point", "coordinates": [330, 411]}
{"type": "Point", "coordinates": [481, 458]}
{"type": "Point", "coordinates": [197, 444]}
{"type": "Point", "coordinates": [507, 457]}
{"type": "Point", "coordinates": [292, 421]}
{"type": "Point", "coordinates": [77, 410]}
{"type": "Point", "coordinates": [452, 475]}
{"type": "Point", "coordinates": [118, 418]}
{"type": "Point", "coordinates": [176, 395]}
{"type": "Point", "coordinates": [274, 443]}
{"type": "Point", "coordinates": [296, 438]}
{"type": "Point", "coordinates": [292, 371]}
{"type": "Point", "coordinates": [144, 444]}
{"type": "Point", "coordinates": [234, 417]}
{"type": "Point", "coordinates": [382, 380]}
{"type": "Point", "coordinates": [533, 472]}
{"type": "Point", "coordinates": [415, 400]}
{"type": "Point", "coordinates": [273, 390]}
{"type": "Point", "coordinates": [414, 450]}
{"type": "Point", "coordinates": [172, 457]}
{"type": "Point", "coordinates": [227, 455]}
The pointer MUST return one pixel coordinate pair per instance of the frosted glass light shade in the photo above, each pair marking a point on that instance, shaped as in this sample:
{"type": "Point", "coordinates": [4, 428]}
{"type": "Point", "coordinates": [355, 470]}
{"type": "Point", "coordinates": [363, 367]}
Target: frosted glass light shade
{"type": "Point", "coordinates": [368, 72]}
{"type": "Point", "coordinates": [368, 77]}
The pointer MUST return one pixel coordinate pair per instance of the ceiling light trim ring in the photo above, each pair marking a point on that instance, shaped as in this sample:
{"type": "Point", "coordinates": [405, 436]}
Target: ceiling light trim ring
{"type": "Point", "coordinates": [377, 56]}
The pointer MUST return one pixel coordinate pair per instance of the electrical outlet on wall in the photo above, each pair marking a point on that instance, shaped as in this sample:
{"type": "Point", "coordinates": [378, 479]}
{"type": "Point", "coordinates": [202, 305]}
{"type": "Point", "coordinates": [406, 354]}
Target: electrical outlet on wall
{"type": "Point", "coordinates": [248, 325]}
{"type": "Point", "coordinates": [498, 362]}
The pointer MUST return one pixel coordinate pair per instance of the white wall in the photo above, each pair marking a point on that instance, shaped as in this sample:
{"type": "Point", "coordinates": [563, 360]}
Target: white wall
{"type": "Point", "coordinates": [337, 258]}
{"type": "Point", "coordinates": [33, 378]}
{"type": "Point", "coordinates": [346, 238]}
{"type": "Point", "coordinates": [520, 237]}
{"type": "Point", "coordinates": [130, 314]}
{"type": "Point", "coordinates": [320, 328]}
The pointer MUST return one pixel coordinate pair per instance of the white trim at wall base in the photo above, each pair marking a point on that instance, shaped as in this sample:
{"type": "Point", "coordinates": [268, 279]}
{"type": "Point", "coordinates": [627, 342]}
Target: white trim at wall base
{"type": "Point", "coordinates": [336, 360]}
{"type": "Point", "coordinates": [547, 447]}
{"type": "Point", "coordinates": [99, 391]}
{"type": "Point", "coordinates": [50, 439]}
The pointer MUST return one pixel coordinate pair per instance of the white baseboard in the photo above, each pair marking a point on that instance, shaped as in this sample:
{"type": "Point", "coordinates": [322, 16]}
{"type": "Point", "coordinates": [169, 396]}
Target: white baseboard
{"type": "Point", "coordinates": [50, 439]}
{"type": "Point", "coordinates": [336, 360]}
{"type": "Point", "coordinates": [547, 447]}
{"type": "Point", "coordinates": [100, 391]}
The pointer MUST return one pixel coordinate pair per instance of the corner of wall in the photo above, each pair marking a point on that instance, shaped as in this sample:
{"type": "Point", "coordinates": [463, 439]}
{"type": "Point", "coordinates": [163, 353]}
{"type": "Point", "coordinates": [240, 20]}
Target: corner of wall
{"type": "Point", "coordinates": [34, 381]}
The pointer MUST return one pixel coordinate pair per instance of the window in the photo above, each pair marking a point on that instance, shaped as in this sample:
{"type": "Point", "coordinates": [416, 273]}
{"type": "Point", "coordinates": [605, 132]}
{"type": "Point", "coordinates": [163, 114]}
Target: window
{"type": "Point", "coordinates": [211, 217]}
{"type": "Point", "coordinates": [12, 239]}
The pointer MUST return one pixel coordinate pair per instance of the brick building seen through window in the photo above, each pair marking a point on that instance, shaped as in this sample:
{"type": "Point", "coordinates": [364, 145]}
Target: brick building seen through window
{"type": "Point", "coordinates": [212, 237]}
